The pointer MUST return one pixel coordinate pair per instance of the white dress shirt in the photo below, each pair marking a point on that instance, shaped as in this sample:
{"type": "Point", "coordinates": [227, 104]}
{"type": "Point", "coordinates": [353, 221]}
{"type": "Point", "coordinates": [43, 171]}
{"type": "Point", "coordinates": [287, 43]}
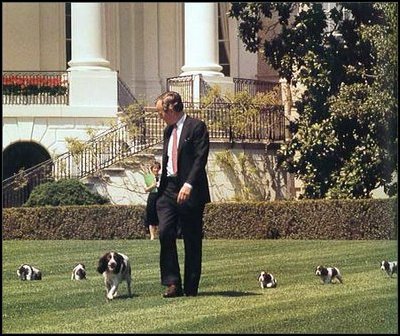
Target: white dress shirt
{"type": "Point", "coordinates": [179, 125]}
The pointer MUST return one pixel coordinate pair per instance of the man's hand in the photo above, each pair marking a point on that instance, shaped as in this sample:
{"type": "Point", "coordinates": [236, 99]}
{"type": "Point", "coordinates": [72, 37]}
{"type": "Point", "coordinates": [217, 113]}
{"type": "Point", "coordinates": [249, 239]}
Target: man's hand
{"type": "Point", "coordinates": [184, 194]}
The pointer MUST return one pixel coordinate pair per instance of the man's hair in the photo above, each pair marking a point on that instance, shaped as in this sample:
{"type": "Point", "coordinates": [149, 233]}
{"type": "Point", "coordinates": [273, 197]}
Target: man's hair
{"type": "Point", "coordinates": [171, 99]}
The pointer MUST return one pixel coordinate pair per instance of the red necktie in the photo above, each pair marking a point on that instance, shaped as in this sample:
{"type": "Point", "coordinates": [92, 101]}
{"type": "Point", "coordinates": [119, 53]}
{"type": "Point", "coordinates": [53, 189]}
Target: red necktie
{"type": "Point", "coordinates": [175, 150]}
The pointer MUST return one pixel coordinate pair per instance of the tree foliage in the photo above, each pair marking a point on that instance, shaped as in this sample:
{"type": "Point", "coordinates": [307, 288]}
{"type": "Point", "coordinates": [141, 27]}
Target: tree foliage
{"type": "Point", "coordinates": [344, 142]}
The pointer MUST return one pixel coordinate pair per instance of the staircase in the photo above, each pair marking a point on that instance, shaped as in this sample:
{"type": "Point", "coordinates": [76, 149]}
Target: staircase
{"type": "Point", "coordinates": [105, 149]}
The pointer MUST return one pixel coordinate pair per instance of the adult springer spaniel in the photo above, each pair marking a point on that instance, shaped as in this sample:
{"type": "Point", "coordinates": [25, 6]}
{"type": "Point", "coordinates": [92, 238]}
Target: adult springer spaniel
{"type": "Point", "coordinates": [115, 268]}
{"type": "Point", "coordinates": [28, 272]}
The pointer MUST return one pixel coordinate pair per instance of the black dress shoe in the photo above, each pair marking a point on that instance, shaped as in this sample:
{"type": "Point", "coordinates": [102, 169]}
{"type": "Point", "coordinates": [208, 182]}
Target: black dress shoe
{"type": "Point", "coordinates": [173, 291]}
{"type": "Point", "coordinates": [190, 292]}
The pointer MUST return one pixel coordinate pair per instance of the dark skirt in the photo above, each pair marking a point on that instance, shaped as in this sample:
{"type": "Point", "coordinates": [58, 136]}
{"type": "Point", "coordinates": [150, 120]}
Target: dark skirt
{"type": "Point", "coordinates": [151, 211]}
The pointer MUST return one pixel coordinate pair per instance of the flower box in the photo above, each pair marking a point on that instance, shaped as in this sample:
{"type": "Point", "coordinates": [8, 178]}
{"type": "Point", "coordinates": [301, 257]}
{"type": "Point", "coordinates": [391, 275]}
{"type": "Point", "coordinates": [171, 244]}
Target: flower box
{"type": "Point", "coordinates": [34, 85]}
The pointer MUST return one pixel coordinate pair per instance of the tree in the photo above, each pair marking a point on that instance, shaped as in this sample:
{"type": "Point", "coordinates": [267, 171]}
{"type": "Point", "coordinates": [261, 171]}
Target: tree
{"type": "Point", "coordinates": [344, 142]}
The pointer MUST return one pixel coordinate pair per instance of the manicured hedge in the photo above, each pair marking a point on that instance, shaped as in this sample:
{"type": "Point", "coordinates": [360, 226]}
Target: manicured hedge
{"type": "Point", "coordinates": [74, 222]}
{"type": "Point", "coordinates": [306, 219]}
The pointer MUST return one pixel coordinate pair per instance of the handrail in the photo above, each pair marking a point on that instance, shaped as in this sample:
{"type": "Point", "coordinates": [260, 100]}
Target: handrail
{"type": "Point", "coordinates": [125, 96]}
{"type": "Point", "coordinates": [99, 153]}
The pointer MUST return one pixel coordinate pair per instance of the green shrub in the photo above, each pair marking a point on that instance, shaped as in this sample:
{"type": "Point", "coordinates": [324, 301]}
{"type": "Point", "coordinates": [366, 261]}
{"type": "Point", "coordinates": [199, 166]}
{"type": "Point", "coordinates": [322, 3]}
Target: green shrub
{"type": "Point", "coordinates": [64, 192]}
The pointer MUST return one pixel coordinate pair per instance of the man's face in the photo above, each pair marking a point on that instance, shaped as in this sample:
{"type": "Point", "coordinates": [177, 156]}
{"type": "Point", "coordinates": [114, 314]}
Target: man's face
{"type": "Point", "coordinates": [168, 116]}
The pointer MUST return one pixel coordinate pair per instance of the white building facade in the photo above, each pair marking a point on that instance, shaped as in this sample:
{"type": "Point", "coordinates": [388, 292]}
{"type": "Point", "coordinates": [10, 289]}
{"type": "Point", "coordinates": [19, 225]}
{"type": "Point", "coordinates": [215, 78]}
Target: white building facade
{"type": "Point", "coordinates": [143, 44]}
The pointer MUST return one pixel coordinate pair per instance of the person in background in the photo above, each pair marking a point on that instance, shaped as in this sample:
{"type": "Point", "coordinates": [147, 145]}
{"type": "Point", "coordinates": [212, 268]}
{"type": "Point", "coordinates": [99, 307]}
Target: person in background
{"type": "Point", "coordinates": [152, 180]}
{"type": "Point", "coordinates": [182, 195]}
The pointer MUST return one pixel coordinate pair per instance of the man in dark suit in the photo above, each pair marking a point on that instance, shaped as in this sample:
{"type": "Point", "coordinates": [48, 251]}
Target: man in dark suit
{"type": "Point", "coordinates": [182, 195]}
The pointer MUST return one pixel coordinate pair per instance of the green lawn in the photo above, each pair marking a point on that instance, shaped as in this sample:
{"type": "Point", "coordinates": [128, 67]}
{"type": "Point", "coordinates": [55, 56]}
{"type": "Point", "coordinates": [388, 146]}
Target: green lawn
{"type": "Point", "coordinates": [230, 299]}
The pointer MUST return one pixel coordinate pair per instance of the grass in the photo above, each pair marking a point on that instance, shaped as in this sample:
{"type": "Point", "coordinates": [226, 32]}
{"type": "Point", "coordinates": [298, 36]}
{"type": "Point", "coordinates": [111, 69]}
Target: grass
{"type": "Point", "coordinates": [230, 299]}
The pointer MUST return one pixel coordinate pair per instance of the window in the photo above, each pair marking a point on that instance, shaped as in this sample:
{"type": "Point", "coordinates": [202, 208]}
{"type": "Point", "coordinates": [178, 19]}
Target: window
{"type": "Point", "coordinates": [223, 41]}
{"type": "Point", "coordinates": [68, 47]}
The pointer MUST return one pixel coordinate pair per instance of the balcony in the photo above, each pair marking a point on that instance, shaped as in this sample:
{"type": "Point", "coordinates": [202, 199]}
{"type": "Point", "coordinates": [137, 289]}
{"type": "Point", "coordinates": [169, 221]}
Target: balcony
{"type": "Point", "coordinates": [35, 88]}
{"type": "Point", "coordinates": [49, 88]}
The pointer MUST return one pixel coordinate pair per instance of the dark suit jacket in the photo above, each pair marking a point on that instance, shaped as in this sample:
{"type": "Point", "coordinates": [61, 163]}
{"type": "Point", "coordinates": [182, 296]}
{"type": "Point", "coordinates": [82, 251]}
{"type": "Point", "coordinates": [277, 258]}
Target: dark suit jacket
{"type": "Point", "coordinates": [193, 151]}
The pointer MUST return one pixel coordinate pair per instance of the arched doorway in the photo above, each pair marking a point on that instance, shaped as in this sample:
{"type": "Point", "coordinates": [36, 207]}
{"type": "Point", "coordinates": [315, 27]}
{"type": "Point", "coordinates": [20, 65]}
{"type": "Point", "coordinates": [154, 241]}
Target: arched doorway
{"type": "Point", "coordinates": [22, 154]}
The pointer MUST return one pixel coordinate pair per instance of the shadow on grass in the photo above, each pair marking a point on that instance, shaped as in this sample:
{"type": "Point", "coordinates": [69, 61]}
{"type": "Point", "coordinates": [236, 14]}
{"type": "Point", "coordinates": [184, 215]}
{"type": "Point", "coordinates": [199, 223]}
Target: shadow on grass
{"type": "Point", "coordinates": [125, 296]}
{"type": "Point", "coordinates": [228, 293]}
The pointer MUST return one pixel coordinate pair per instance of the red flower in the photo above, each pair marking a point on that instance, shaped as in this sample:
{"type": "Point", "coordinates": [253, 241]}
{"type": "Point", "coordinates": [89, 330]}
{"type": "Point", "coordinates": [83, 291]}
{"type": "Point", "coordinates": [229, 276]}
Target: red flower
{"type": "Point", "coordinates": [34, 84]}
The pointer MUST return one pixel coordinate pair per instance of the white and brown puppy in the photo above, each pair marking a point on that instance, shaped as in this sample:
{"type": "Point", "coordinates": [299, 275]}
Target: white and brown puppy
{"type": "Point", "coordinates": [390, 267]}
{"type": "Point", "coordinates": [328, 274]}
{"type": "Point", "coordinates": [115, 268]}
{"type": "Point", "coordinates": [28, 272]}
{"type": "Point", "coordinates": [267, 280]}
{"type": "Point", "coordinates": [79, 272]}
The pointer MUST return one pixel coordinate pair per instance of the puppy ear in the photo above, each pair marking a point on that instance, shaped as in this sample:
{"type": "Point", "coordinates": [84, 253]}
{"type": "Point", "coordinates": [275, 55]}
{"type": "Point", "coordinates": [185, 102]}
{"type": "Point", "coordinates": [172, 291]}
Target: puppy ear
{"type": "Point", "coordinates": [102, 264]}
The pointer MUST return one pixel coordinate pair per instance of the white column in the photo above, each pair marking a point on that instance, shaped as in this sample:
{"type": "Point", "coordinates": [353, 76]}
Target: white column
{"type": "Point", "coordinates": [86, 37]}
{"type": "Point", "coordinates": [92, 84]}
{"type": "Point", "coordinates": [201, 39]}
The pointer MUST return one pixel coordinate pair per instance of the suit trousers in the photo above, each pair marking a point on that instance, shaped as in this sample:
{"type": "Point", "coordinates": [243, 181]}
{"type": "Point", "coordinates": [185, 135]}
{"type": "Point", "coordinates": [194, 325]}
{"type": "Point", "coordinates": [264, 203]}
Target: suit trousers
{"type": "Point", "coordinates": [186, 218]}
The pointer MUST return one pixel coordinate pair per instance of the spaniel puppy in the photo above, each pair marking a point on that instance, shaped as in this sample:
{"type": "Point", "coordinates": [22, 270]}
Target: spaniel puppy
{"type": "Point", "coordinates": [267, 280]}
{"type": "Point", "coordinates": [79, 272]}
{"type": "Point", "coordinates": [328, 274]}
{"type": "Point", "coordinates": [115, 268]}
{"type": "Point", "coordinates": [28, 272]}
{"type": "Point", "coordinates": [390, 267]}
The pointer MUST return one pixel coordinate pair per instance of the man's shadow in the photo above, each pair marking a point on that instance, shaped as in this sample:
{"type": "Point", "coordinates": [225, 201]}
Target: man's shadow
{"type": "Point", "coordinates": [228, 293]}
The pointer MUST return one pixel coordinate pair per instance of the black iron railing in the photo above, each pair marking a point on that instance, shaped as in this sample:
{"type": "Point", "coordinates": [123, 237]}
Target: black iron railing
{"type": "Point", "coordinates": [185, 86]}
{"type": "Point", "coordinates": [125, 96]}
{"type": "Point", "coordinates": [268, 125]}
{"type": "Point", "coordinates": [253, 86]}
{"type": "Point", "coordinates": [223, 125]}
